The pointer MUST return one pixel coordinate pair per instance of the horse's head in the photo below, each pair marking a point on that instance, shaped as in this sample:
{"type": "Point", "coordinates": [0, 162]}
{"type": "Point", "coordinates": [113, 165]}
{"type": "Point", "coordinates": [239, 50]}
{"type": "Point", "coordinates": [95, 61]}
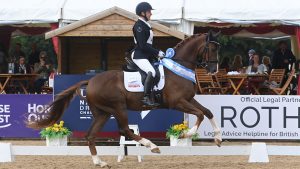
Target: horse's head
{"type": "Point", "coordinates": [210, 51]}
{"type": "Point", "coordinates": [197, 48]}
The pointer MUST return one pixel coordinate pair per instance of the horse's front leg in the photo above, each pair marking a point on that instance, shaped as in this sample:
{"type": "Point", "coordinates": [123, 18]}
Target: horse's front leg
{"type": "Point", "coordinates": [210, 116]}
{"type": "Point", "coordinates": [189, 108]}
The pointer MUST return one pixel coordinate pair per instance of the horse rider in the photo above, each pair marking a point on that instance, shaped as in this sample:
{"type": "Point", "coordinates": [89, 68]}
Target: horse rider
{"type": "Point", "coordinates": [143, 51]}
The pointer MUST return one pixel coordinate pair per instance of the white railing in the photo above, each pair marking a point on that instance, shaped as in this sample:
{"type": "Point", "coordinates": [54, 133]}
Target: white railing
{"type": "Point", "coordinates": [257, 152]}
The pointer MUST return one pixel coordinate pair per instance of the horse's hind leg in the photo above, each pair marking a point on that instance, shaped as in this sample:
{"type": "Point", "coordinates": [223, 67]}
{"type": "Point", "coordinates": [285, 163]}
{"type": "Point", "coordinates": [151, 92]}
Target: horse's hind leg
{"type": "Point", "coordinates": [99, 120]}
{"type": "Point", "coordinates": [122, 120]}
{"type": "Point", "coordinates": [210, 116]}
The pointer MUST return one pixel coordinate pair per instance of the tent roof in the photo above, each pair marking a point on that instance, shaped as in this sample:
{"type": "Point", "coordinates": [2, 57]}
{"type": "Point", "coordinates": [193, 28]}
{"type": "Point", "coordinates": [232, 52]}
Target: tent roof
{"type": "Point", "coordinates": [82, 29]}
{"type": "Point", "coordinates": [243, 11]}
{"type": "Point", "coordinates": [204, 11]}
{"type": "Point", "coordinates": [33, 11]}
{"type": "Point", "coordinates": [168, 10]}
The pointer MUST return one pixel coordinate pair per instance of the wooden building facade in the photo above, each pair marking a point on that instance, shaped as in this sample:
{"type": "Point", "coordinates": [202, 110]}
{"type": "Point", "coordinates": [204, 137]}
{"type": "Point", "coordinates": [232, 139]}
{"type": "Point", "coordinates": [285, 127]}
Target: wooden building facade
{"type": "Point", "coordinates": [101, 40]}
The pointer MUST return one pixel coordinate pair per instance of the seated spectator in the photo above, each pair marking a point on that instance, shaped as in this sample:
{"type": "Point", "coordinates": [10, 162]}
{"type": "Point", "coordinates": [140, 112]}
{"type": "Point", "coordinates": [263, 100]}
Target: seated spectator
{"type": "Point", "coordinates": [267, 62]}
{"type": "Point", "coordinates": [237, 64]}
{"type": "Point", "coordinates": [3, 60]}
{"type": "Point", "coordinates": [21, 67]}
{"type": "Point", "coordinates": [256, 67]}
{"type": "Point", "coordinates": [251, 53]}
{"type": "Point", "coordinates": [225, 64]}
{"type": "Point", "coordinates": [43, 68]}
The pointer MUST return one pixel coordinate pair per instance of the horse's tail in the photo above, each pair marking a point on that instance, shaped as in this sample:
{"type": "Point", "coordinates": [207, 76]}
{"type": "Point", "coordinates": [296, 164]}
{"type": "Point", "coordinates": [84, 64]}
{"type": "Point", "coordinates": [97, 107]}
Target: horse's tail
{"type": "Point", "coordinates": [57, 108]}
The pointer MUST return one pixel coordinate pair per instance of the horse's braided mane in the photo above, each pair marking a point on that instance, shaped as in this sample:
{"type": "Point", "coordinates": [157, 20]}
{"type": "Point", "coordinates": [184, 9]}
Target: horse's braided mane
{"type": "Point", "coordinates": [185, 40]}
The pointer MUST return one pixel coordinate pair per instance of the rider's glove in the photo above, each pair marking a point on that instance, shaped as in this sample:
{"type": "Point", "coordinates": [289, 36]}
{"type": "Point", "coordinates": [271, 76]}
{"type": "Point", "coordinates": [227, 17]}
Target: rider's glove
{"type": "Point", "coordinates": [161, 54]}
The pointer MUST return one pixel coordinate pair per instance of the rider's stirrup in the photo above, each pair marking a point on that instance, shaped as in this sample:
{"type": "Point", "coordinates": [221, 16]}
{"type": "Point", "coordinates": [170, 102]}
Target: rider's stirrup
{"type": "Point", "coordinates": [148, 102]}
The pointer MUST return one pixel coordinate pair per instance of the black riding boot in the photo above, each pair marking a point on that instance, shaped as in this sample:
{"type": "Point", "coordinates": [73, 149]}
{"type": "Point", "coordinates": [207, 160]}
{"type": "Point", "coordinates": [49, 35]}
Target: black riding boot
{"type": "Point", "coordinates": [147, 100]}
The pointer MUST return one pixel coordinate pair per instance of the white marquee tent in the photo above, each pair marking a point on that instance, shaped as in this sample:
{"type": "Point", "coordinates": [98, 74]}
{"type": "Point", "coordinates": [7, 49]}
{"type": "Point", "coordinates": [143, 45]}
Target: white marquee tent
{"type": "Point", "coordinates": [202, 11]}
{"type": "Point", "coordinates": [182, 15]}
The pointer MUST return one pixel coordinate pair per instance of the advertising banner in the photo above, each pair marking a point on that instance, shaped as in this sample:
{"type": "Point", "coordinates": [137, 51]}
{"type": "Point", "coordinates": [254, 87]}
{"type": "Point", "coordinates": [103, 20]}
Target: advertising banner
{"type": "Point", "coordinates": [16, 110]}
{"type": "Point", "coordinates": [78, 116]}
{"type": "Point", "coordinates": [251, 116]}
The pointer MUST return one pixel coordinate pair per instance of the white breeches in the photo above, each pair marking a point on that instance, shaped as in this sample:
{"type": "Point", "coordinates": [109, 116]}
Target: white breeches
{"type": "Point", "coordinates": [144, 64]}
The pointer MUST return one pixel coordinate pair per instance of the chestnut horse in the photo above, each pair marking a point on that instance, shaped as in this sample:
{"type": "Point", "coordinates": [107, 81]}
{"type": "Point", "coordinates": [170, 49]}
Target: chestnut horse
{"type": "Point", "coordinates": [106, 96]}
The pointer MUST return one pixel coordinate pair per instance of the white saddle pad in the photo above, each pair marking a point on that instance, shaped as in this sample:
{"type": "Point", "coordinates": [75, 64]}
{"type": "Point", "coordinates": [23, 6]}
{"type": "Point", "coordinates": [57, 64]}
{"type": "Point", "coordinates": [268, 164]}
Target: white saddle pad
{"type": "Point", "coordinates": [133, 81]}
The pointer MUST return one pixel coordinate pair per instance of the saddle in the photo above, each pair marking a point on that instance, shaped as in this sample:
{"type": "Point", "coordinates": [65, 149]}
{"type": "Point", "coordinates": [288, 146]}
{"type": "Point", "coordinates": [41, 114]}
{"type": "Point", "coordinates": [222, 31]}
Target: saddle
{"type": "Point", "coordinates": [134, 79]}
{"type": "Point", "coordinates": [132, 67]}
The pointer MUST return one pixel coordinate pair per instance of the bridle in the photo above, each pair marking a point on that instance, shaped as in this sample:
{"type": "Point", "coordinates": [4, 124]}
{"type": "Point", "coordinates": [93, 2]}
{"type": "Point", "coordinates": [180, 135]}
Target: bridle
{"type": "Point", "coordinates": [205, 53]}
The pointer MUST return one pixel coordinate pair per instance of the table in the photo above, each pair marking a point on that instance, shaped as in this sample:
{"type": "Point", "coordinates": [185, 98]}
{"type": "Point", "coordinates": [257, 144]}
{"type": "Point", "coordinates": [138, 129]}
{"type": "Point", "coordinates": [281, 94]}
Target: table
{"type": "Point", "coordinates": [236, 81]}
{"type": "Point", "coordinates": [6, 78]}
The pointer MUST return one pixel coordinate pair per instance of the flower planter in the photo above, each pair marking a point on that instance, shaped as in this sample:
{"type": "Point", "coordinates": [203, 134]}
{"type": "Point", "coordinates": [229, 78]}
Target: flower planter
{"type": "Point", "coordinates": [180, 142]}
{"type": "Point", "coordinates": [60, 141]}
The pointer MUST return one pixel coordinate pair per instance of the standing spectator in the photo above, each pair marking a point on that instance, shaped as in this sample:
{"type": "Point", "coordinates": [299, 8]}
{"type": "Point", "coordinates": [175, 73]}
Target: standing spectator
{"type": "Point", "coordinates": [17, 53]}
{"type": "Point", "coordinates": [43, 68]}
{"type": "Point", "coordinates": [251, 52]}
{"type": "Point", "coordinates": [237, 64]}
{"type": "Point", "coordinates": [283, 58]}
{"type": "Point", "coordinates": [34, 55]}
{"type": "Point", "coordinates": [3, 62]}
{"type": "Point", "coordinates": [267, 62]}
{"type": "Point", "coordinates": [21, 67]}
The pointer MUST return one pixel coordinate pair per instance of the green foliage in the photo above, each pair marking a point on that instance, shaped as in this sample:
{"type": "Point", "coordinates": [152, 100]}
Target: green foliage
{"type": "Point", "coordinates": [39, 40]}
{"type": "Point", "coordinates": [231, 46]}
{"type": "Point", "coordinates": [55, 131]}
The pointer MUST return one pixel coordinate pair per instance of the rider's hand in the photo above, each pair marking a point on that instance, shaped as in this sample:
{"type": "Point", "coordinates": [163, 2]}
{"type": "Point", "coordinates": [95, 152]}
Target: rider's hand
{"type": "Point", "coordinates": [161, 54]}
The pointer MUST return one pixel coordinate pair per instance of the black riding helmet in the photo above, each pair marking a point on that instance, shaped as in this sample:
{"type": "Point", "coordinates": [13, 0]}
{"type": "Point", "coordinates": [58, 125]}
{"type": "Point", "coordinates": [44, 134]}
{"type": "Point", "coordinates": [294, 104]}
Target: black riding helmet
{"type": "Point", "coordinates": [143, 7]}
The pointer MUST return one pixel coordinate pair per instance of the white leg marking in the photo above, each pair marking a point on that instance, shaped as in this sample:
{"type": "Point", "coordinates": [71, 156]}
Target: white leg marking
{"type": "Point", "coordinates": [217, 130]}
{"type": "Point", "coordinates": [191, 132]}
{"type": "Point", "coordinates": [147, 143]}
{"type": "Point", "coordinates": [98, 162]}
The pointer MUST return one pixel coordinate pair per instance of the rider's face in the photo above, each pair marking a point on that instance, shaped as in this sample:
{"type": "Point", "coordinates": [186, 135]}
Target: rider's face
{"type": "Point", "coordinates": [148, 14]}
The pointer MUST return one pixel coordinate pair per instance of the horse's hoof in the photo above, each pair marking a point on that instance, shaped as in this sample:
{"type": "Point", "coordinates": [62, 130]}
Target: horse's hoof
{"type": "Point", "coordinates": [218, 142]}
{"type": "Point", "coordinates": [103, 164]}
{"type": "Point", "coordinates": [155, 150]}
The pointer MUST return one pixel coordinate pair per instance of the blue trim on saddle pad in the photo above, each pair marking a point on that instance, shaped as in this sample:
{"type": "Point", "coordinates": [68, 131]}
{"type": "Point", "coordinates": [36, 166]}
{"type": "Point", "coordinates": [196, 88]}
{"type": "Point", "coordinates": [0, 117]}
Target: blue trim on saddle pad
{"type": "Point", "coordinates": [179, 69]}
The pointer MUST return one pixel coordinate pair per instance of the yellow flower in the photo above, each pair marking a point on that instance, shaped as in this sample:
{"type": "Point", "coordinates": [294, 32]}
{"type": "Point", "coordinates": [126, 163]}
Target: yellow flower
{"type": "Point", "coordinates": [56, 129]}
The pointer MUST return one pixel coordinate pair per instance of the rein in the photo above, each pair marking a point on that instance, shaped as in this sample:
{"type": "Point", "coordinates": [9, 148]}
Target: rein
{"type": "Point", "coordinates": [184, 61]}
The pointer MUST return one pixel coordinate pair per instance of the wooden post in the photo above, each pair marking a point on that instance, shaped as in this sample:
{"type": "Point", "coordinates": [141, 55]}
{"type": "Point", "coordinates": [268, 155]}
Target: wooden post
{"type": "Point", "coordinates": [103, 54]}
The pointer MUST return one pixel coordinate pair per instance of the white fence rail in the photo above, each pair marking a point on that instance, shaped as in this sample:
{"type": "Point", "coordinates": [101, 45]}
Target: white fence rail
{"type": "Point", "coordinates": [257, 152]}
